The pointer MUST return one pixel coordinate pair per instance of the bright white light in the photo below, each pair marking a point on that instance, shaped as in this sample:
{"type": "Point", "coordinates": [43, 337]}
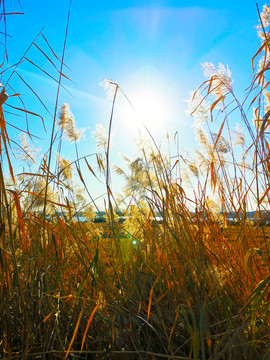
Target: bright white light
{"type": "Point", "coordinates": [150, 106]}
{"type": "Point", "coordinates": [150, 109]}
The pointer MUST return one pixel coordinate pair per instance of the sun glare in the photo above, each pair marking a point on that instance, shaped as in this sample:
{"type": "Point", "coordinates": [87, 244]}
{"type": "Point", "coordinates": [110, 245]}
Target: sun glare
{"type": "Point", "coordinates": [149, 108]}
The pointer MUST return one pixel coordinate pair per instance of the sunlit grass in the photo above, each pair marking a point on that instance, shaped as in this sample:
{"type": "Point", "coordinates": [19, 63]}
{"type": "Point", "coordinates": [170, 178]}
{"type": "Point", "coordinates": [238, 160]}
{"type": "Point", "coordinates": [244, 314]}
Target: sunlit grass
{"type": "Point", "coordinates": [176, 279]}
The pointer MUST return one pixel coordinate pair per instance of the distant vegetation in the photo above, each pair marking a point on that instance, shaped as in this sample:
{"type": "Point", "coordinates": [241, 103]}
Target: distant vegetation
{"type": "Point", "coordinates": [176, 279]}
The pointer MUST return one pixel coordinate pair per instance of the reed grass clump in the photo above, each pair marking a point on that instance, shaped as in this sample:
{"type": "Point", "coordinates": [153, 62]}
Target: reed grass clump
{"type": "Point", "coordinates": [176, 269]}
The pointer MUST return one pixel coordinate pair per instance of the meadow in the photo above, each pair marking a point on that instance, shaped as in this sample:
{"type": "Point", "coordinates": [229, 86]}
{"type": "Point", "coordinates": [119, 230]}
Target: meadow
{"type": "Point", "coordinates": [176, 279]}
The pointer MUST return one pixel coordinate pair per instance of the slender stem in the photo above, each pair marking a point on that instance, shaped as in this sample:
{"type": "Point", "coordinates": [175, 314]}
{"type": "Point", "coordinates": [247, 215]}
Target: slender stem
{"type": "Point", "coordinates": [108, 155]}
{"type": "Point", "coordinates": [54, 123]}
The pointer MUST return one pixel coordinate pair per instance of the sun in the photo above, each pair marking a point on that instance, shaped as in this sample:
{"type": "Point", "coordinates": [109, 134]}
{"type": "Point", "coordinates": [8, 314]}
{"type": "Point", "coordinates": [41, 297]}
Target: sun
{"type": "Point", "coordinates": [146, 107]}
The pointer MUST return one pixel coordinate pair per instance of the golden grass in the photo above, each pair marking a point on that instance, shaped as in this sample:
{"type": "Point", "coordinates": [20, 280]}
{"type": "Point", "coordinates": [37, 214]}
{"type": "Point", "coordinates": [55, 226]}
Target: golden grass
{"type": "Point", "coordinates": [193, 286]}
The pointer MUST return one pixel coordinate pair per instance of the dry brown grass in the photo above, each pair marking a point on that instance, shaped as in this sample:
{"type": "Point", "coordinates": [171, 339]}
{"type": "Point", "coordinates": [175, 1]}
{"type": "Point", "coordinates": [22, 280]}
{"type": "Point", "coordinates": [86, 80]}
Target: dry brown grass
{"type": "Point", "coordinates": [193, 286]}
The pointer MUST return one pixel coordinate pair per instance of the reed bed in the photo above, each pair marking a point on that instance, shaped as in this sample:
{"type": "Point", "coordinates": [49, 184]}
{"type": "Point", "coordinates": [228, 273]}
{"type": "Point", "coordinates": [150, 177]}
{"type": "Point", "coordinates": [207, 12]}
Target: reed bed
{"type": "Point", "coordinates": [176, 279]}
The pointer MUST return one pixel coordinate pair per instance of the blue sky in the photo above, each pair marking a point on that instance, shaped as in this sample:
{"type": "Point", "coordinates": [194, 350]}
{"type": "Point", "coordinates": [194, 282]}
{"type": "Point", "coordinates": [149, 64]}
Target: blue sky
{"type": "Point", "coordinates": [152, 49]}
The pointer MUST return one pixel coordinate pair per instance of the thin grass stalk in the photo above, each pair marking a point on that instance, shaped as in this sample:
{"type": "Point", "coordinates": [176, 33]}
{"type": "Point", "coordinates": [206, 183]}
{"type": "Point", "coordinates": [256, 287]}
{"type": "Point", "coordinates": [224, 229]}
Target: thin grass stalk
{"type": "Point", "coordinates": [108, 180]}
{"type": "Point", "coordinates": [54, 122]}
{"type": "Point", "coordinates": [13, 254]}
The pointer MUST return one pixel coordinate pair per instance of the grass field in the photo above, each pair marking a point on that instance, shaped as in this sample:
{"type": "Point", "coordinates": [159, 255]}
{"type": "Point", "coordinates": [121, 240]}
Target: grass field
{"type": "Point", "coordinates": [192, 286]}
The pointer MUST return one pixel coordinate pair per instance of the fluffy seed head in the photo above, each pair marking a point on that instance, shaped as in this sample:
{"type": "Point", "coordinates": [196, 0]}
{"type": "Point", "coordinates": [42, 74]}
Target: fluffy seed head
{"type": "Point", "coordinates": [64, 166]}
{"type": "Point", "coordinates": [221, 79]}
{"type": "Point", "coordinates": [110, 87]}
{"type": "Point", "coordinates": [265, 17]}
{"type": "Point", "coordinates": [66, 123]}
{"type": "Point", "coordinates": [198, 108]}
{"type": "Point", "coordinates": [101, 137]}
